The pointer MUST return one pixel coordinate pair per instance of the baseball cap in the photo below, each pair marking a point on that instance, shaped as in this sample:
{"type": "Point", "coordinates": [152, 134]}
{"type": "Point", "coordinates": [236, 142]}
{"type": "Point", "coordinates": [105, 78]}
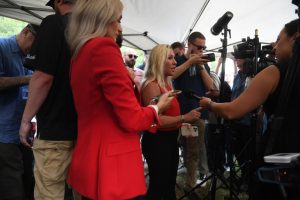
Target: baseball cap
{"type": "Point", "coordinates": [33, 28]}
{"type": "Point", "coordinates": [51, 2]}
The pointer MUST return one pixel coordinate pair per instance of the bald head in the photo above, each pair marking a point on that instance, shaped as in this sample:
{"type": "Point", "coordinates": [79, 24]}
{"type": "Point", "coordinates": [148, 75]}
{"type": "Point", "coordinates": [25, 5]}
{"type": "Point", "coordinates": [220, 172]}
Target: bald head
{"type": "Point", "coordinates": [129, 57]}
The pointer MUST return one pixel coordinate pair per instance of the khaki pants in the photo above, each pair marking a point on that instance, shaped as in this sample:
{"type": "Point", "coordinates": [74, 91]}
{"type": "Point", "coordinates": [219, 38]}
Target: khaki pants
{"type": "Point", "coordinates": [195, 155]}
{"type": "Point", "coordinates": [52, 159]}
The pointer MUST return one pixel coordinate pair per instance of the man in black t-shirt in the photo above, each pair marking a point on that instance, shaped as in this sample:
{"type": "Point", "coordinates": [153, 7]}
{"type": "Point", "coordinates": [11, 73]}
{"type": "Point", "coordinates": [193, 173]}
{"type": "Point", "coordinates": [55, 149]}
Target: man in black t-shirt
{"type": "Point", "coordinates": [192, 74]}
{"type": "Point", "coordinates": [50, 99]}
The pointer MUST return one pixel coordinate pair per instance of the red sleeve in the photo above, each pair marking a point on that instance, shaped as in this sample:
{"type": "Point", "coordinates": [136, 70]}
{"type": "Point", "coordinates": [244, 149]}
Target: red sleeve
{"type": "Point", "coordinates": [113, 80]}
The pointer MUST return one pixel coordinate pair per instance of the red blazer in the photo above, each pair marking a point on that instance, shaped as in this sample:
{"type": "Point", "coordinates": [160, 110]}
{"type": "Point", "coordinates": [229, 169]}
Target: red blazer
{"type": "Point", "coordinates": [107, 159]}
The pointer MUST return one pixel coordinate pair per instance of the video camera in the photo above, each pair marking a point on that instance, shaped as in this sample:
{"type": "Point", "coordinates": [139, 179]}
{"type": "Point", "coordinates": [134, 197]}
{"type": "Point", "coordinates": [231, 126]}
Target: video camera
{"type": "Point", "coordinates": [246, 50]}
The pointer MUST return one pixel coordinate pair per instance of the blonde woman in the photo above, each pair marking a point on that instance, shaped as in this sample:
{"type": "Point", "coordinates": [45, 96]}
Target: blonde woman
{"type": "Point", "coordinates": [161, 149]}
{"type": "Point", "coordinates": [107, 161]}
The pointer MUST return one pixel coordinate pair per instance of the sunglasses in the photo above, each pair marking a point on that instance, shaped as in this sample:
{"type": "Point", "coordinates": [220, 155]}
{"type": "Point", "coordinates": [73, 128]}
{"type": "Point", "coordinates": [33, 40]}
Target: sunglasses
{"type": "Point", "coordinates": [132, 56]}
{"type": "Point", "coordinates": [199, 47]}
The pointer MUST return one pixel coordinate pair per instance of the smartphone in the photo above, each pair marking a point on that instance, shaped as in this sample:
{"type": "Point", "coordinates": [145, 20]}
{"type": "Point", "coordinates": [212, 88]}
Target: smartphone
{"type": "Point", "coordinates": [209, 56]}
{"type": "Point", "coordinates": [175, 92]}
{"type": "Point", "coordinates": [189, 131]}
{"type": "Point", "coordinates": [155, 100]}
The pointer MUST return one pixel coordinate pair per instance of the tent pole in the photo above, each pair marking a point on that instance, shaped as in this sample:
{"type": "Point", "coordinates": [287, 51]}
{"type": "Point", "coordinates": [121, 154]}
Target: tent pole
{"type": "Point", "coordinates": [23, 8]}
{"type": "Point", "coordinates": [197, 19]}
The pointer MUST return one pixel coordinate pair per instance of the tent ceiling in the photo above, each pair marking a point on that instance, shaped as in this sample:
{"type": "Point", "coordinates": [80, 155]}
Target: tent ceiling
{"type": "Point", "coordinates": [268, 16]}
{"type": "Point", "coordinates": [26, 10]}
{"type": "Point", "coordinates": [166, 21]}
{"type": "Point", "coordinates": [163, 21]}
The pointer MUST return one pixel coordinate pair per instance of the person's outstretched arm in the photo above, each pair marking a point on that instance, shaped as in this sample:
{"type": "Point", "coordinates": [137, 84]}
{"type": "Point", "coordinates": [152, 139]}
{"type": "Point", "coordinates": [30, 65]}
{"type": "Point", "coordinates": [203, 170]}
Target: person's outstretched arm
{"type": "Point", "coordinates": [7, 83]}
{"type": "Point", "coordinates": [261, 87]}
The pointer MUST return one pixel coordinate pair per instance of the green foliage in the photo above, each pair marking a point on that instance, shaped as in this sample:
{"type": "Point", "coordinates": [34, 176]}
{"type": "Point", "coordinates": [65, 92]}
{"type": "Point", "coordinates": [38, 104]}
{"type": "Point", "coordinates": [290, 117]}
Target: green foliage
{"type": "Point", "coordinates": [10, 26]}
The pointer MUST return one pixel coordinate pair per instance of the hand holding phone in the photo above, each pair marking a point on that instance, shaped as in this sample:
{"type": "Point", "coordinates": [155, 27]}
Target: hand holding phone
{"type": "Point", "coordinates": [172, 93]}
{"type": "Point", "coordinates": [209, 56]}
{"type": "Point", "coordinates": [175, 92]}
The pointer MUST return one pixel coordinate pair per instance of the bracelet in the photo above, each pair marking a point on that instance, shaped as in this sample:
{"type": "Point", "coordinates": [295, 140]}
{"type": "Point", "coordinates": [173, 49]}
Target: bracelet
{"type": "Point", "coordinates": [182, 118]}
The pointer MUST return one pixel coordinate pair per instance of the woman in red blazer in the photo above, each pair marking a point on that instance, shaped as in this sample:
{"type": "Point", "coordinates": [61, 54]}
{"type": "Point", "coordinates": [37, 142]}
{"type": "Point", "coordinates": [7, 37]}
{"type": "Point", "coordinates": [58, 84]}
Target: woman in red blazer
{"type": "Point", "coordinates": [107, 161]}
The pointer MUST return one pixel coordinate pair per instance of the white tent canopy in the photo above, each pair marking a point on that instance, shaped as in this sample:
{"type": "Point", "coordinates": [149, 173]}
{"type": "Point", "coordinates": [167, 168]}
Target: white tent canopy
{"type": "Point", "coordinates": [148, 22]}
{"type": "Point", "coordinates": [32, 11]}
{"type": "Point", "coordinates": [267, 16]}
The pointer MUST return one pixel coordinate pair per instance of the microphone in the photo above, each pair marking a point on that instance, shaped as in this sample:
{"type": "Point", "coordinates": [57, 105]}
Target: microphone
{"type": "Point", "coordinates": [221, 23]}
{"type": "Point", "coordinates": [191, 94]}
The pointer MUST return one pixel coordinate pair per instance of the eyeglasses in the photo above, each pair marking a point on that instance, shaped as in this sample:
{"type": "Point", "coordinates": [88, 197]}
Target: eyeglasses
{"type": "Point", "coordinates": [199, 47]}
{"type": "Point", "coordinates": [132, 56]}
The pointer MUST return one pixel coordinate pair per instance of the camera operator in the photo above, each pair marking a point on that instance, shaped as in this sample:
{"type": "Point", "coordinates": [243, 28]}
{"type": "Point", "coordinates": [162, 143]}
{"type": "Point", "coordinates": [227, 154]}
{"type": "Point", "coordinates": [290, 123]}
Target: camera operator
{"type": "Point", "coordinates": [265, 89]}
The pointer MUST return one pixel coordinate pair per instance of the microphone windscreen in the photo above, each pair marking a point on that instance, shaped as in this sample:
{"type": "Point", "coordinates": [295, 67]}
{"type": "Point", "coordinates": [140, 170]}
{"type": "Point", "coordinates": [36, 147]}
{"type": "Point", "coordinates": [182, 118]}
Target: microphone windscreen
{"type": "Point", "coordinates": [221, 23]}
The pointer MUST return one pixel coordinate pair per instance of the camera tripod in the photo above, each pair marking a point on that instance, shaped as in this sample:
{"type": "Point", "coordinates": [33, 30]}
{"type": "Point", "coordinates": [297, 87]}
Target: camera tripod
{"type": "Point", "coordinates": [216, 173]}
{"type": "Point", "coordinates": [243, 144]}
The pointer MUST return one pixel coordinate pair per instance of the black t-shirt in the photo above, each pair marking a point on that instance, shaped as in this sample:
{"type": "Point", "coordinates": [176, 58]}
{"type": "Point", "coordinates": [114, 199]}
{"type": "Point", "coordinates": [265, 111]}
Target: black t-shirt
{"type": "Point", "coordinates": [289, 138]}
{"type": "Point", "coordinates": [56, 119]}
{"type": "Point", "coordinates": [190, 80]}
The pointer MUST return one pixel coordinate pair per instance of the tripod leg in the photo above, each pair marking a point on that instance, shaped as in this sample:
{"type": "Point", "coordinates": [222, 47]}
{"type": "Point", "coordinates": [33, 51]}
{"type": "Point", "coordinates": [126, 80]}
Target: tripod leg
{"type": "Point", "coordinates": [194, 188]}
{"type": "Point", "coordinates": [227, 186]}
{"type": "Point", "coordinates": [213, 188]}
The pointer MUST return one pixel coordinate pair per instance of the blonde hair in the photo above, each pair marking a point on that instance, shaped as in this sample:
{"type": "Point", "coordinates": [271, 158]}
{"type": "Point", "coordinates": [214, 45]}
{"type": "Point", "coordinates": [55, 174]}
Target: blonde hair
{"type": "Point", "coordinates": [154, 71]}
{"type": "Point", "coordinates": [89, 19]}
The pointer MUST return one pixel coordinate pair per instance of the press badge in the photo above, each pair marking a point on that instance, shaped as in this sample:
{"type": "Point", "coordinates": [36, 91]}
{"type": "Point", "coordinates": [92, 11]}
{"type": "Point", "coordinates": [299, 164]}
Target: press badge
{"type": "Point", "coordinates": [24, 92]}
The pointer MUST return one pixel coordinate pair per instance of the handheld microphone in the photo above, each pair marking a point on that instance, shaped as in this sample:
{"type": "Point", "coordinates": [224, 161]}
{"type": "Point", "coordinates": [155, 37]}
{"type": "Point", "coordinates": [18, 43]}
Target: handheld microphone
{"type": "Point", "coordinates": [191, 94]}
{"type": "Point", "coordinates": [221, 23]}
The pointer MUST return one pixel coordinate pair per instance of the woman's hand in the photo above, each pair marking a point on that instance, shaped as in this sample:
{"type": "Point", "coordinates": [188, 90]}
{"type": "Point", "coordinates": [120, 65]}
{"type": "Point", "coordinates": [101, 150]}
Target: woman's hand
{"type": "Point", "coordinates": [205, 103]}
{"type": "Point", "coordinates": [192, 116]}
{"type": "Point", "coordinates": [164, 101]}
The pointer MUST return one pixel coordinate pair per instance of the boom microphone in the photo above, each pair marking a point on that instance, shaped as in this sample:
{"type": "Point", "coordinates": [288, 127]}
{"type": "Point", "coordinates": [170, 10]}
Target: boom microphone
{"type": "Point", "coordinates": [221, 23]}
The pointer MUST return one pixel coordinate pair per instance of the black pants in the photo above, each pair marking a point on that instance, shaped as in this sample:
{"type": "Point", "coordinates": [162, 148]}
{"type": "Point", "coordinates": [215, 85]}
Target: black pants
{"type": "Point", "coordinates": [215, 147]}
{"type": "Point", "coordinates": [242, 147]}
{"type": "Point", "coordinates": [161, 153]}
{"type": "Point", "coordinates": [11, 171]}
{"type": "Point", "coordinates": [28, 177]}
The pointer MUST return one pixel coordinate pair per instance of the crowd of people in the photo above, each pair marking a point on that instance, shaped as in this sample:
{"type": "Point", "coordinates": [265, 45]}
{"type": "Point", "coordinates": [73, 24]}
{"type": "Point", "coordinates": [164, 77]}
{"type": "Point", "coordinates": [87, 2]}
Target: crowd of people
{"type": "Point", "coordinates": [98, 114]}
